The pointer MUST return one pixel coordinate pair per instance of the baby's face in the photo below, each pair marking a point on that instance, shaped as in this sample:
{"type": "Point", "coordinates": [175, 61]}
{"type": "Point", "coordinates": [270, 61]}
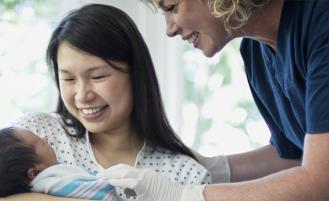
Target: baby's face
{"type": "Point", "coordinates": [45, 154]}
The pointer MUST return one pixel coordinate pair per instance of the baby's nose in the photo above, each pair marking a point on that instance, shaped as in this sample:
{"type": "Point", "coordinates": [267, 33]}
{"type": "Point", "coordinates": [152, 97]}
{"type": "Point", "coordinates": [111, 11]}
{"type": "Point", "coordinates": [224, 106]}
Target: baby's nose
{"type": "Point", "coordinates": [45, 139]}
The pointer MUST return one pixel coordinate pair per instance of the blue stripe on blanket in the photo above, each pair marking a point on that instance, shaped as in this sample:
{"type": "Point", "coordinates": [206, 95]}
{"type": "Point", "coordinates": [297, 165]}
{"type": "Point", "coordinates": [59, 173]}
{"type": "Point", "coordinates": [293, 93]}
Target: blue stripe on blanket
{"type": "Point", "coordinates": [69, 188]}
{"type": "Point", "coordinates": [85, 189]}
{"type": "Point", "coordinates": [102, 193]}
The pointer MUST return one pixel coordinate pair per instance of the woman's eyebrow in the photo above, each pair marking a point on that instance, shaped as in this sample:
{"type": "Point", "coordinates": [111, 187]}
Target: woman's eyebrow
{"type": "Point", "coordinates": [99, 67]}
{"type": "Point", "coordinates": [161, 4]}
{"type": "Point", "coordinates": [93, 68]}
{"type": "Point", "coordinates": [63, 71]}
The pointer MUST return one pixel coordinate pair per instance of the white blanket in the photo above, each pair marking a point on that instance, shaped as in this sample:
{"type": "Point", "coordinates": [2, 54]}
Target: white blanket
{"type": "Point", "coordinates": [64, 180]}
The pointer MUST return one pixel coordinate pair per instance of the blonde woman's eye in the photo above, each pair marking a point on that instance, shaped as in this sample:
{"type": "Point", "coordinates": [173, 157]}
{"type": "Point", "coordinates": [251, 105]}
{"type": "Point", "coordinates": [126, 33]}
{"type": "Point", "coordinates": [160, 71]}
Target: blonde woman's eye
{"type": "Point", "coordinates": [169, 8]}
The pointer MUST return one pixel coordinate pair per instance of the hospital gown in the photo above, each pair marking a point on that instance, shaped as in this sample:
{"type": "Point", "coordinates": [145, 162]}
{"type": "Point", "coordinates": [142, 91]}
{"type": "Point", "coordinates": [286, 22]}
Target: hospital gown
{"type": "Point", "coordinates": [77, 151]}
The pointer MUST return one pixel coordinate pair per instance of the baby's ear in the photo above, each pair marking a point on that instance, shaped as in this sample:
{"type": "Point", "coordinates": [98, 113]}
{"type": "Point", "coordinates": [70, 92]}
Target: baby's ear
{"type": "Point", "coordinates": [33, 172]}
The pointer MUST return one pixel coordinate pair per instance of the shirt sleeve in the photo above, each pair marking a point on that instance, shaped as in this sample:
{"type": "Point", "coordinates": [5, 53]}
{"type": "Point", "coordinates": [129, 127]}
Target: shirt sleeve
{"type": "Point", "coordinates": [317, 78]}
{"type": "Point", "coordinates": [193, 173]}
{"type": "Point", "coordinates": [284, 147]}
{"type": "Point", "coordinates": [38, 123]}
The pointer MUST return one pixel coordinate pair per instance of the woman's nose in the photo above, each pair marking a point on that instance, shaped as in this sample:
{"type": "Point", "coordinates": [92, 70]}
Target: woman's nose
{"type": "Point", "coordinates": [84, 93]}
{"type": "Point", "coordinates": [172, 28]}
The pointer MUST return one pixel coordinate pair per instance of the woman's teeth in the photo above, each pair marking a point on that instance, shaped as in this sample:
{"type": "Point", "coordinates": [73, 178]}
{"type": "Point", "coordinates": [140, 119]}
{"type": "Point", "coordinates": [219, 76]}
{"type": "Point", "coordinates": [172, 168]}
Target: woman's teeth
{"type": "Point", "coordinates": [193, 37]}
{"type": "Point", "coordinates": [90, 111]}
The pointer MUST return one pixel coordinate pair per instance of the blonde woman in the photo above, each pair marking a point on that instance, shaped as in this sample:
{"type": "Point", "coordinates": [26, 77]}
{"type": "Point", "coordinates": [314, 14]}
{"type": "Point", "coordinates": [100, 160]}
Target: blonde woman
{"type": "Point", "coordinates": [285, 49]}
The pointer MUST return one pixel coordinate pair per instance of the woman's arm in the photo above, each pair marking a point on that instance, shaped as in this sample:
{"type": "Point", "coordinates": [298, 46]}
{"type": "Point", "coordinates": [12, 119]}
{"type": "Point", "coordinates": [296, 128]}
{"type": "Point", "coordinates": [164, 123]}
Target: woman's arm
{"type": "Point", "coordinates": [245, 166]}
{"type": "Point", "coordinates": [36, 196]}
{"type": "Point", "coordinates": [307, 182]}
{"type": "Point", "coordinates": [258, 163]}
{"type": "Point", "coordinates": [217, 166]}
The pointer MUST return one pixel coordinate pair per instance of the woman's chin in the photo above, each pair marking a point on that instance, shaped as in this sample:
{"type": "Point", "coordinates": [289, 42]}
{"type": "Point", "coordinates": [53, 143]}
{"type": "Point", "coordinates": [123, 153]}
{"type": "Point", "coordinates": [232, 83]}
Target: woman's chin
{"type": "Point", "coordinates": [209, 53]}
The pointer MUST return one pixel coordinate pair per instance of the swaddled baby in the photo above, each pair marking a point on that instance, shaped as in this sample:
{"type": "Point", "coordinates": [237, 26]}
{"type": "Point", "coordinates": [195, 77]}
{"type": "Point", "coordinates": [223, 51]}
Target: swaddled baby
{"type": "Point", "coordinates": [28, 163]}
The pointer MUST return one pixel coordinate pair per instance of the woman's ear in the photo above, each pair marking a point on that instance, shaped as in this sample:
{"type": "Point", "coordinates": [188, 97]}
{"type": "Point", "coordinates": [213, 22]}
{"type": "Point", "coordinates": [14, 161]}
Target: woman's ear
{"type": "Point", "coordinates": [33, 172]}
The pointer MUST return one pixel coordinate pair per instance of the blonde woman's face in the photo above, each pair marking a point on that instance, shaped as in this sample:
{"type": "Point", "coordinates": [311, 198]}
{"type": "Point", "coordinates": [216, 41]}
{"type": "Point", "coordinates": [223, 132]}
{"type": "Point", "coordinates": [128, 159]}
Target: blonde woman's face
{"type": "Point", "coordinates": [193, 21]}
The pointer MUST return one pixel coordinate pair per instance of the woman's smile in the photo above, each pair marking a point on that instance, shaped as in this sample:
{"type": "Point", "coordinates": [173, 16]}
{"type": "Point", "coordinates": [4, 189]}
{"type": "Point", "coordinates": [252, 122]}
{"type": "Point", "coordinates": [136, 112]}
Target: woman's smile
{"type": "Point", "coordinates": [91, 114]}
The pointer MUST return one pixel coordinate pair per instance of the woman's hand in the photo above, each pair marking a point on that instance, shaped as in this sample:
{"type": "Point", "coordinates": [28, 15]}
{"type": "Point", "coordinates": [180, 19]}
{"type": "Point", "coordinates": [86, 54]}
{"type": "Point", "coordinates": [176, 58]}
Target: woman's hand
{"type": "Point", "coordinates": [150, 186]}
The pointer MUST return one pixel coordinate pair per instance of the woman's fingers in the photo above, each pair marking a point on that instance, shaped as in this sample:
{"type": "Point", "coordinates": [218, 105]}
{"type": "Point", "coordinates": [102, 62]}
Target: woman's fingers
{"type": "Point", "coordinates": [123, 183]}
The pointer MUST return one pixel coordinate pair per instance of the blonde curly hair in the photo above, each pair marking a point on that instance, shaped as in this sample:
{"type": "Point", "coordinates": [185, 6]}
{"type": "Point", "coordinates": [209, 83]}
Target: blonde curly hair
{"type": "Point", "coordinates": [235, 13]}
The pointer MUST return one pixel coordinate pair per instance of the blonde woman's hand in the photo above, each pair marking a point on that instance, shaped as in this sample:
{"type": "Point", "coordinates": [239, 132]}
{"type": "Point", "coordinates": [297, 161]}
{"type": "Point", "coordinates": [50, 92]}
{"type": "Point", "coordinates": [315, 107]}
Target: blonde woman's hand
{"type": "Point", "coordinates": [218, 167]}
{"type": "Point", "coordinates": [149, 185]}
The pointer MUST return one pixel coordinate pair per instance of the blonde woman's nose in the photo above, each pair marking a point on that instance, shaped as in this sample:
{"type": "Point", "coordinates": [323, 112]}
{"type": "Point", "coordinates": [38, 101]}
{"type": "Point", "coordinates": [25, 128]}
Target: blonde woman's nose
{"type": "Point", "coordinates": [172, 28]}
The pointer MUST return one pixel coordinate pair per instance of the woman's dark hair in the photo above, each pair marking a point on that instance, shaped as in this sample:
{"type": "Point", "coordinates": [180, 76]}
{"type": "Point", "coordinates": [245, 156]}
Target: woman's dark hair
{"type": "Point", "coordinates": [108, 33]}
{"type": "Point", "coordinates": [15, 161]}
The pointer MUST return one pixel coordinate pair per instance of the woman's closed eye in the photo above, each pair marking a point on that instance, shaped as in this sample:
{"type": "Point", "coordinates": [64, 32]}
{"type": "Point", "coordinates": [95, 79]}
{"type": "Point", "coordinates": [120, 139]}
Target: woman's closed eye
{"type": "Point", "coordinates": [67, 79]}
{"type": "Point", "coordinates": [99, 77]}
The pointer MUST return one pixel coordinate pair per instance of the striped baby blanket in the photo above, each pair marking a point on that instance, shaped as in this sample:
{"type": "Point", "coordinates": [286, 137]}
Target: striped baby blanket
{"type": "Point", "coordinates": [71, 181]}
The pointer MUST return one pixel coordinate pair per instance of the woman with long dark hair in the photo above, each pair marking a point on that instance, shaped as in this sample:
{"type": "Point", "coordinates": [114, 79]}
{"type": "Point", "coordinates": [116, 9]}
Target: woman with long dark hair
{"type": "Point", "coordinates": [109, 106]}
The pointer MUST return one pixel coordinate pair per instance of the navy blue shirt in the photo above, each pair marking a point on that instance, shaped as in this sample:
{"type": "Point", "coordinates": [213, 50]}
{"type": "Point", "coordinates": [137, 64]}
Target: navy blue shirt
{"type": "Point", "coordinates": [291, 84]}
